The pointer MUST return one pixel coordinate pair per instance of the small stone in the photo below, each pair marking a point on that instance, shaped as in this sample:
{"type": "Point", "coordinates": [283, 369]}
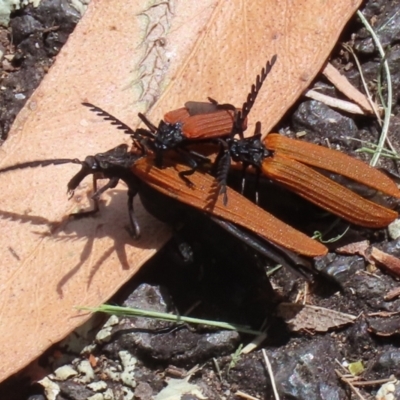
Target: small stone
{"type": "Point", "coordinates": [108, 394]}
{"type": "Point", "coordinates": [394, 229]}
{"type": "Point", "coordinates": [128, 363]}
{"type": "Point", "coordinates": [24, 26]}
{"type": "Point", "coordinates": [51, 389]}
{"type": "Point", "coordinates": [97, 396]}
{"type": "Point", "coordinates": [143, 391]}
{"type": "Point", "coordinates": [128, 394]}
{"type": "Point", "coordinates": [99, 386]}
{"type": "Point", "coordinates": [104, 335]}
{"type": "Point", "coordinates": [112, 321]}
{"type": "Point", "coordinates": [65, 372]}
{"type": "Point", "coordinates": [386, 391]}
{"type": "Point", "coordinates": [319, 120]}
{"type": "Point", "coordinates": [89, 349]}
{"type": "Point", "coordinates": [112, 373]}
{"type": "Point", "coordinates": [86, 370]}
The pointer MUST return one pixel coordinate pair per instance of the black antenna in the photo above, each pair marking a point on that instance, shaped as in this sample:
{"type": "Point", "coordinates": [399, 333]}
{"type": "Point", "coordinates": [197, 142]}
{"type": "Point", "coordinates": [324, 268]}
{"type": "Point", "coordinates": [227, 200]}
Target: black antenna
{"type": "Point", "coordinates": [152, 128]}
{"type": "Point", "coordinates": [108, 117]}
{"type": "Point", "coordinates": [252, 96]}
{"type": "Point", "coordinates": [41, 163]}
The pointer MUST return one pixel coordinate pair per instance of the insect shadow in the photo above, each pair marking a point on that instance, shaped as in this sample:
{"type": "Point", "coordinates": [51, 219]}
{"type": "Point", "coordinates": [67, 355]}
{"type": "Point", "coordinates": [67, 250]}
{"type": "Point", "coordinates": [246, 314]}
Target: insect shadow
{"type": "Point", "coordinates": [113, 224]}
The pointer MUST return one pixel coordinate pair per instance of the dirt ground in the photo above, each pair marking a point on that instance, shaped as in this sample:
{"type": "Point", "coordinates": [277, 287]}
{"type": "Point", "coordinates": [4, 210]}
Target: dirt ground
{"type": "Point", "coordinates": [136, 358]}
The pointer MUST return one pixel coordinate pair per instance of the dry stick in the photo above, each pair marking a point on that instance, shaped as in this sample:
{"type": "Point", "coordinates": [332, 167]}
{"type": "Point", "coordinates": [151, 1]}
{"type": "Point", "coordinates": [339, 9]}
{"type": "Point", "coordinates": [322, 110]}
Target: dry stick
{"type": "Point", "coordinates": [335, 103]}
{"type": "Point", "coordinates": [343, 85]}
{"type": "Point", "coordinates": [383, 314]}
{"type": "Point", "coordinates": [345, 370]}
{"type": "Point", "coordinates": [245, 395]}
{"type": "Point", "coordinates": [254, 344]}
{"type": "Point", "coordinates": [306, 287]}
{"type": "Point", "coordinates": [392, 294]}
{"type": "Point", "coordinates": [353, 388]}
{"type": "Point", "coordinates": [374, 382]}
{"type": "Point", "coordinates": [369, 96]}
{"type": "Point", "coordinates": [217, 368]}
{"type": "Point", "coordinates": [271, 374]}
{"type": "Point", "coordinates": [194, 370]}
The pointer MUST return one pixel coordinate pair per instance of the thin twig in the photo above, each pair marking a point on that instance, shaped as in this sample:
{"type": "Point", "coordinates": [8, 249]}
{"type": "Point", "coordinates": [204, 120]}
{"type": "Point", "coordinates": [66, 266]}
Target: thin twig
{"type": "Point", "coordinates": [374, 382]}
{"type": "Point", "coordinates": [254, 344]}
{"type": "Point", "coordinates": [217, 368]}
{"type": "Point", "coordinates": [369, 96]}
{"type": "Point", "coordinates": [352, 387]}
{"type": "Point", "coordinates": [271, 374]}
{"type": "Point", "coordinates": [245, 395]}
{"type": "Point", "coordinates": [342, 84]}
{"type": "Point", "coordinates": [388, 109]}
{"type": "Point", "coordinates": [341, 366]}
{"type": "Point", "coordinates": [334, 102]}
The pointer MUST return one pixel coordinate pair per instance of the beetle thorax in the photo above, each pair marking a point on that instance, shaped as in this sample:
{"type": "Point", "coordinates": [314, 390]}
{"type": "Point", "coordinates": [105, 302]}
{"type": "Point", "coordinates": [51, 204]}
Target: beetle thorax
{"type": "Point", "coordinates": [250, 150]}
{"type": "Point", "coordinates": [168, 136]}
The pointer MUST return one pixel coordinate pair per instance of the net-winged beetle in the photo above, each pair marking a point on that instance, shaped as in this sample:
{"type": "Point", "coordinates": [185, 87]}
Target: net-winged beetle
{"type": "Point", "coordinates": [257, 228]}
{"type": "Point", "coordinates": [196, 123]}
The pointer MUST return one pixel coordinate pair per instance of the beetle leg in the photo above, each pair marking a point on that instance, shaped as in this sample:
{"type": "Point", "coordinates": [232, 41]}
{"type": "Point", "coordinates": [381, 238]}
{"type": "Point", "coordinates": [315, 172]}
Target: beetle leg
{"type": "Point", "coordinates": [95, 196]}
{"type": "Point", "coordinates": [243, 180]}
{"type": "Point", "coordinates": [158, 158]}
{"type": "Point", "coordinates": [78, 178]}
{"type": "Point", "coordinates": [144, 119]}
{"type": "Point", "coordinates": [189, 160]}
{"type": "Point", "coordinates": [135, 227]}
{"type": "Point", "coordinates": [225, 106]}
{"type": "Point", "coordinates": [223, 163]}
{"type": "Point", "coordinates": [258, 173]}
{"type": "Point", "coordinates": [111, 184]}
{"type": "Point", "coordinates": [96, 202]}
{"type": "Point", "coordinates": [140, 133]}
{"type": "Point", "coordinates": [201, 157]}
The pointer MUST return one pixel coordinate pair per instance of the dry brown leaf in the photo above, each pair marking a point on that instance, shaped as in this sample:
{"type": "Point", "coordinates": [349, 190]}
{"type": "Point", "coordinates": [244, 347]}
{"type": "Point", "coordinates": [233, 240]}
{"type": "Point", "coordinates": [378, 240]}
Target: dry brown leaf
{"type": "Point", "coordinates": [123, 57]}
{"type": "Point", "coordinates": [312, 318]}
{"type": "Point", "coordinates": [389, 262]}
{"type": "Point", "coordinates": [359, 248]}
{"type": "Point", "coordinates": [384, 327]}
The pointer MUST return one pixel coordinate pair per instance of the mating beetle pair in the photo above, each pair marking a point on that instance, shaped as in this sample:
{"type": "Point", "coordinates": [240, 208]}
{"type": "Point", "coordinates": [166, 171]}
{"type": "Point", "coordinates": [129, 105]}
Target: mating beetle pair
{"type": "Point", "coordinates": [286, 161]}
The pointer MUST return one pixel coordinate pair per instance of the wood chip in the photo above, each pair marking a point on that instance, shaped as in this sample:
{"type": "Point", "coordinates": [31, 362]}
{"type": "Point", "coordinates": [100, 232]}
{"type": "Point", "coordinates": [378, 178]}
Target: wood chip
{"type": "Point", "coordinates": [392, 294]}
{"type": "Point", "coordinates": [312, 318]}
{"type": "Point", "coordinates": [359, 248]}
{"type": "Point", "coordinates": [384, 327]}
{"type": "Point", "coordinates": [389, 262]}
{"type": "Point", "coordinates": [342, 84]}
